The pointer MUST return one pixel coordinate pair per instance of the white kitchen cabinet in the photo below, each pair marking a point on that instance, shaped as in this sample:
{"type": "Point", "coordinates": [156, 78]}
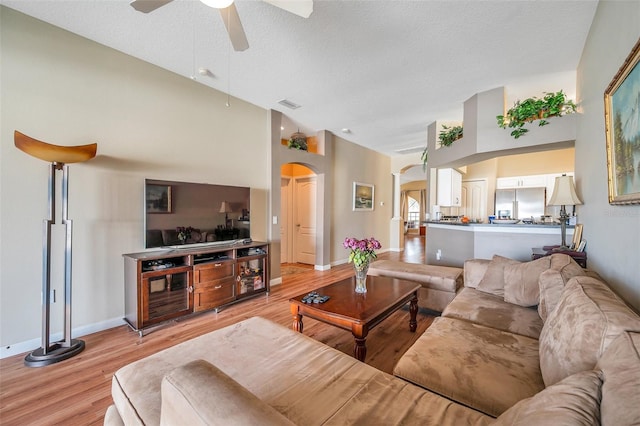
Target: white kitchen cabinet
{"type": "Point", "coordinates": [449, 188]}
{"type": "Point", "coordinates": [531, 181]}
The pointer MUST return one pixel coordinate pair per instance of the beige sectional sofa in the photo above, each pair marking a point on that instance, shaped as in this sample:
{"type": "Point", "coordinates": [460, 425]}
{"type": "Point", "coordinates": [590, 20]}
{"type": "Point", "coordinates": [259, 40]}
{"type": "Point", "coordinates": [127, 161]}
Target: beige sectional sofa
{"type": "Point", "coordinates": [572, 360]}
{"type": "Point", "coordinates": [440, 284]}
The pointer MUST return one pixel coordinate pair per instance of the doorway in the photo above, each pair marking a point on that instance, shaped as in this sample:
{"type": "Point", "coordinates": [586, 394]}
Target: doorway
{"type": "Point", "coordinates": [298, 190]}
{"type": "Point", "coordinates": [474, 199]}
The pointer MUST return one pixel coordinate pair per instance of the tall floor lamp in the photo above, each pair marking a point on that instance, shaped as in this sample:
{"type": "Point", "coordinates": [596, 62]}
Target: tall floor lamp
{"type": "Point", "coordinates": [564, 193]}
{"type": "Point", "coordinates": [58, 156]}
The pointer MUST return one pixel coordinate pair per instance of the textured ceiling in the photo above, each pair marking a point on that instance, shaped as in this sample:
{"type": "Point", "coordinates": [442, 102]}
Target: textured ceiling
{"type": "Point", "coordinates": [383, 69]}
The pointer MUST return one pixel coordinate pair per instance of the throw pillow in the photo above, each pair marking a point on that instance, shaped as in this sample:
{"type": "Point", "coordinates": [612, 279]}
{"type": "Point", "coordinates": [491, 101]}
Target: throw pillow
{"type": "Point", "coordinates": [620, 365]}
{"type": "Point", "coordinates": [573, 401]}
{"type": "Point", "coordinates": [493, 280]}
{"type": "Point", "coordinates": [198, 393]}
{"type": "Point", "coordinates": [553, 280]}
{"type": "Point", "coordinates": [521, 281]}
{"type": "Point", "coordinates": [589, 316]}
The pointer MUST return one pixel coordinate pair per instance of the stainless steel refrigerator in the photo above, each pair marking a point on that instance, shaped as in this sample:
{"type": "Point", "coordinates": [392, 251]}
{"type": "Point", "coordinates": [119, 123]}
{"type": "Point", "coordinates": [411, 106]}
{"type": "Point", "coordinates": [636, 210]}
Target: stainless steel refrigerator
{"type": "Point", "coordinates": [522, 203]}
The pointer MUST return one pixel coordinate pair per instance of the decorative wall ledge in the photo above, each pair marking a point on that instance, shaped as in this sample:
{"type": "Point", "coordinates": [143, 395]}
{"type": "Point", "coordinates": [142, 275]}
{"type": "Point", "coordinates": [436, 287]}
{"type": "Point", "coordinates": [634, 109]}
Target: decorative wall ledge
{"type": "Point", "coordinates": [483, 139]}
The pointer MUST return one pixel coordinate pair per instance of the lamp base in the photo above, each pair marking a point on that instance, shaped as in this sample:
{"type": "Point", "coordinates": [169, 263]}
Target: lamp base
{"type": "Point", "coordinates": [56, 353]}
{"type": "Point", "coordinates": [561, 248]}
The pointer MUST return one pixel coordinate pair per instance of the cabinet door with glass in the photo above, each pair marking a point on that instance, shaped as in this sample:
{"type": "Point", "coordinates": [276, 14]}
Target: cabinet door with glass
{"type": "Point", "coordinates": [252, 276]}
{"type": "Point", "coordinates": [165, 294]}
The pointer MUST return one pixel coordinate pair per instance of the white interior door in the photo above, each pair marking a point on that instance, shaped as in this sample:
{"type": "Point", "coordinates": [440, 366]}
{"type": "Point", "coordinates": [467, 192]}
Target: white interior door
{"type": "Point", "coordinates": [474, 199]}
{"type": "Point", "coordinates": [304, 220]}
{"type": "Point", "coordinates": [285, 218]}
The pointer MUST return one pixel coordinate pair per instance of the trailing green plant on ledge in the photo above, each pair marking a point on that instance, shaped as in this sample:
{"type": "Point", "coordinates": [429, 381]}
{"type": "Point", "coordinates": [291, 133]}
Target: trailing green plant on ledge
{"type": "Point", "coordinates": [449, 135]}
{"type": "Point", "coordinates": [531, 109]}
{"type": "Point", "coordinates": [423, 157]}
{"type": "Point", "coordinates": [298, 141]}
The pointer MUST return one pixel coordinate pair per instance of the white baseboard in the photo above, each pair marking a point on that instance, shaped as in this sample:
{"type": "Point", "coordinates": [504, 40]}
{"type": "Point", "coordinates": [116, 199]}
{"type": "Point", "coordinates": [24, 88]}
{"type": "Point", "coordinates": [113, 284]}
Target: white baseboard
{"type": "Point", "coordinates": [30, 345]}
{"type": "Point", "coordinates": [275, 281]}
{"type": "Point", "coordinates": [322, 267]}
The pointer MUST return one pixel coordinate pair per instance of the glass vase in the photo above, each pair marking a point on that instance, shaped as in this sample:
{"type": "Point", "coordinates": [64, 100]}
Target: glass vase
{"type": "Point", "coordinates": [361, 278]}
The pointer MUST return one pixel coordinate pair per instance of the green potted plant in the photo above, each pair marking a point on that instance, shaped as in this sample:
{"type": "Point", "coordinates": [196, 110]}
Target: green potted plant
{"type": "Point", "coordinates": [531, 109]}
{"type": "Point", "coordinates": [449, 135]}
{"type": "Point", "coordinates": [298, 141]}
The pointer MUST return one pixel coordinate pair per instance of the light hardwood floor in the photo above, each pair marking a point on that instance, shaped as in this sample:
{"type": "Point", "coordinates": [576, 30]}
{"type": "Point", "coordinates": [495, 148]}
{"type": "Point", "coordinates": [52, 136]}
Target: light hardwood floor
{"type": "Point", "coordinates": [78, 391]}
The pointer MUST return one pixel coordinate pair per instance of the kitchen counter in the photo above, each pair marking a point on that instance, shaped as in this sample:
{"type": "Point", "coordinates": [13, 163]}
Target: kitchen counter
{"type": "Point", "coordinates": [451, 243]}
{"type": "Point", "coordinates": [534, 228]}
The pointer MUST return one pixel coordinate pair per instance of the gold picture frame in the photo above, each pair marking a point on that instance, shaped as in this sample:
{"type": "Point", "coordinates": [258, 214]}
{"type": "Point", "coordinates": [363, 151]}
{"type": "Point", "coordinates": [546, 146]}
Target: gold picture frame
{"type": "Point", "coordinates": [623, 132]}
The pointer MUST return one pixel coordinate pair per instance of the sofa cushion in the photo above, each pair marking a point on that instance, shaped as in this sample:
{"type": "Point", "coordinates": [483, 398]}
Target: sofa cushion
{"type": "Point", "coordinates": [521, 281]}
{"type": "Point", "coordinates": [589, 316]}
{"type": "Point", "coordinates": [198, 393]}
{"type": "Point", "coordinates": [552, 281]}
{"type": "Point", "coordinates": [387, 400]}
{"type": "Point", "coordinates": [444, 278]}
{"type": "Point", "coordinates": [483, 368]}
{"type": "Point", "coordinates": [474, 270]}
{"type": "Point", "coordinates": [492, 311]}
{"type": "Point", "coordinates": [493, 280]}
{"type": "Point", "coordinates": [620, 365]}
{"type": "Point", "coordinates": [304, 380]}
{"type": "Point", "coordinates": [573, 401]}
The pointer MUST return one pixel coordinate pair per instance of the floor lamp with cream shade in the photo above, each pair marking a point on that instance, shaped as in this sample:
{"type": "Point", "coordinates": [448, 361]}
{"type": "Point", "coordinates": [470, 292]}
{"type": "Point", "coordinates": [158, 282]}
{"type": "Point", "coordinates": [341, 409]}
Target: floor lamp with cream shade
{"type": "Point", "coordinates": [59, 157]}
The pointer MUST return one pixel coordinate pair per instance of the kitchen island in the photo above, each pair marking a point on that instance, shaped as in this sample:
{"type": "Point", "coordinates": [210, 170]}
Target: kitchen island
{"type": "Point", "coordinates": [451, 243]}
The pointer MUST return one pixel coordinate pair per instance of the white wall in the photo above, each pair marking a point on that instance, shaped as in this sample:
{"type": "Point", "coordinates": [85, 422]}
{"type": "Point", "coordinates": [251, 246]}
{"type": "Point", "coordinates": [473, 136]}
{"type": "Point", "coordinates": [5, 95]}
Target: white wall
{"type": "Point", "coordinates": [147, 122]}
{"type": "Point", "coordinates": [612, 232]}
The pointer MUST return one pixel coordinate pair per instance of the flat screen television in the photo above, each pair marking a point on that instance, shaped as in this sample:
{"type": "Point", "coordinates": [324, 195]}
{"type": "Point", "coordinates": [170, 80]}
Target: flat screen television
{"type": "Point", "coordinates": [182, 214]}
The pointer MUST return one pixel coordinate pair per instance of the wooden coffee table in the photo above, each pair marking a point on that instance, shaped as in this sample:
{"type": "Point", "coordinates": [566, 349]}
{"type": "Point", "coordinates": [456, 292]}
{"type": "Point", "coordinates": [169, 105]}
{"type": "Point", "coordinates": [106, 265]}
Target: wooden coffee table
{"type": "Point", "coordinates": [357, 312]}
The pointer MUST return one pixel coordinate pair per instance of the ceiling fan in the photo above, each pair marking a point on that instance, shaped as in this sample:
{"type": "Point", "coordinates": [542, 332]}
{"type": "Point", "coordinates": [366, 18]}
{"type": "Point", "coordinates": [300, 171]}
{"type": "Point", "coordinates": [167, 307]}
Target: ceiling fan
{"type": "Point", "coordinates": [230, 16]}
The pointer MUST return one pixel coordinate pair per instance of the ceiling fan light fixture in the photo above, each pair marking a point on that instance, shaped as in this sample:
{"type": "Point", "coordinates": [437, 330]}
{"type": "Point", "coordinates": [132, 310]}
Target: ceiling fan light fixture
{"type": "Point", "coordinates": [218, 4]}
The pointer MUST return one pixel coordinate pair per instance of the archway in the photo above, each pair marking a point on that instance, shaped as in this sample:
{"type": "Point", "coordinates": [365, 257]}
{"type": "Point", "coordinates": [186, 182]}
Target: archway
{"type": "Point", "coordinates": [298, 219]}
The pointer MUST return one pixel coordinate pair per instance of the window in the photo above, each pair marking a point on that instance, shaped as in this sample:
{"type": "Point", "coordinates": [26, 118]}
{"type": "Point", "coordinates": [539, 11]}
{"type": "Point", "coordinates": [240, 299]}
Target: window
{"type": "Point", "coordinates": [413, 216]}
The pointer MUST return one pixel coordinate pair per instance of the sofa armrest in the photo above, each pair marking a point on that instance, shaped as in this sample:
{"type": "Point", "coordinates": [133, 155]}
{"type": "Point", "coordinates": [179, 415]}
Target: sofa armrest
{"type": "Point", "coordinates": [198, 393]}
{"type": "Point", "coordinates": [474, 270]}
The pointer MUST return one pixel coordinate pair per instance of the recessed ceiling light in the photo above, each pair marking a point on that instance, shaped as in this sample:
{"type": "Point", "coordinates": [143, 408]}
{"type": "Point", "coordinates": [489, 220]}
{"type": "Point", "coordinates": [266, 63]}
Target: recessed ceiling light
{"type": "Point", "coordinates": [288, 104]}
{"type": "Point", "coordinates": [346, 130]}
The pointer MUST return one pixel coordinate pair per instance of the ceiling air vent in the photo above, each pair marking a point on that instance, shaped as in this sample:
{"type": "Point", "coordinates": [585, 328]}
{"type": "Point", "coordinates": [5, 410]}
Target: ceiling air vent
{"type": "Point", "coordinates": [289, 104]}
{"type": "Point", "coordinates": [410, 150]}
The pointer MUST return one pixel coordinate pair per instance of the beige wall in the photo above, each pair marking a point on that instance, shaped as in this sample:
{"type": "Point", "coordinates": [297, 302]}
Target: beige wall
{"type": "Point", "coordinates": [416, 185]}
{"type": "Point", "coordinates": [536, 163]}
{"type": "Point", "coordinates": [148, 123]}
{"type": "Point", "coordinates": [372, 168]}
{"type": "Point", "coordinates": [612, 232]}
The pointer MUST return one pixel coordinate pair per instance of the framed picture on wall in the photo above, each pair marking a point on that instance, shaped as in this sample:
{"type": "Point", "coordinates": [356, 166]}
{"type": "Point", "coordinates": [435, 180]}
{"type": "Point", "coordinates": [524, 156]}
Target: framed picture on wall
{"type": "Point", "coordinates": [158, 198]}
{"type": "Point", "coordinates": [362, 196]}
{"type": "Point", "coordinates": [622, 129]}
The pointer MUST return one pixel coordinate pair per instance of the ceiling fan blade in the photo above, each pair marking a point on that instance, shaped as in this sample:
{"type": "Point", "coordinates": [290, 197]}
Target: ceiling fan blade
{"type": "Point", "coordinates": [231, 20]}
{"type": "Point", "coordinates": [303, 8]}
{"type": "Point", "coordinates": [146, 6]}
